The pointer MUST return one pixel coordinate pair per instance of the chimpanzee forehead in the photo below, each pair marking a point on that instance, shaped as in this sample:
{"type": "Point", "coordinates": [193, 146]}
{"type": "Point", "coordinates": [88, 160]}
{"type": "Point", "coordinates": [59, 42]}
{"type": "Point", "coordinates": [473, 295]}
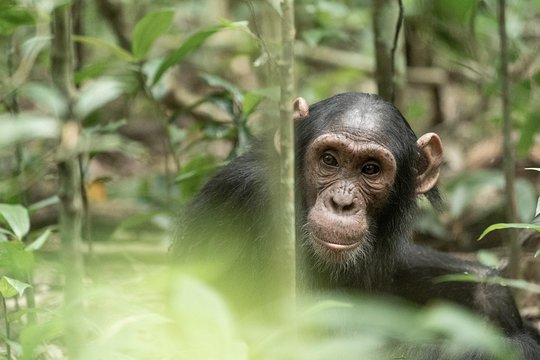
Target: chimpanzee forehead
{"type": "Point", "coordinates": [368, 121]}
{"type": "Point", "coordinates": [360, 119]}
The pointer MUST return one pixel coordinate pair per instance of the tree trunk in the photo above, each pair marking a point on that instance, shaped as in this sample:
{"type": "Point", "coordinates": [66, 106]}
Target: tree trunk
{"type": "Point", "coordinates": [387, 21]}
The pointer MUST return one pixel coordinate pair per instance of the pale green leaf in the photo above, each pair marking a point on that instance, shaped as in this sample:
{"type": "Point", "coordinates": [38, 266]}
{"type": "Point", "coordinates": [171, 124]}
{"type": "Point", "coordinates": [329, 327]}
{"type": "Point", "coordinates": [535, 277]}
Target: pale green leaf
{"type": "Point", "coordinates": [496, 280]}
{"type": "Point", "coordinates": [46, 97]}
{"type": "Point", "coordinates": [508, 226]}
{"type": "Point", "coordinates": [17, 218]}
{"type": "Point", "coordinates": [11, 287]}
{"type": "Point", "coordinates": [38, 243]}
{"type": "Point", "coordinates": [148, 30]}
{"type": "Point", "coordinates": [115, 50]}
{"type": "Point", "coordinates": [15, 260]}
{"type": "Point", "coordinates": [52, 200]}
{"type": "Point", "coordinates": [26, 126]}
{"type": "Point", "coordinates": [96, 95]}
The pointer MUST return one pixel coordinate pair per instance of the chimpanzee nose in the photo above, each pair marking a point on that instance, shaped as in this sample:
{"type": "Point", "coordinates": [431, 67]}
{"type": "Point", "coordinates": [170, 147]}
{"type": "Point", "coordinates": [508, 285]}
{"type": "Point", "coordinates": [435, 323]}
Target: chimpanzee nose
{"type": "Point", "coordinates": [343, 203]}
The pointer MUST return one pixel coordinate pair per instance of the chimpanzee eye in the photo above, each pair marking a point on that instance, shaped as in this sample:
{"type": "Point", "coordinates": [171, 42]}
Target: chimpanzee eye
{"type": "Point", "coordinates": [371, 169]}
{"type": "Point", "coordinates": [329, 159]}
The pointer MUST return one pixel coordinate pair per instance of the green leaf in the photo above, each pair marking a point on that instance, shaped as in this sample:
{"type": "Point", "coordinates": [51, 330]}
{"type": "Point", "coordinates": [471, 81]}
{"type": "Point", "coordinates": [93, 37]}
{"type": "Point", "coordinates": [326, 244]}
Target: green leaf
{"type": "Point", "coordinates": [488, 258]}
{"type": "Point", "coordinates": [11, 287]}
{"type": "Point", "coordinates": [96, 95]}
{"type": "Point", "coordinates": [26, 126]}
{"type": "Point", "coordinates": [52, 200]}
{"type": "Point", "coordinates": [115, 50]}
{"type": "Point", "coordinates": [508, 226]}
{"type": "Point", "coordinates": [537, 253]}
{"type": "Point", "coordinates": [38, 243]}
{"type": "Point", "coordinates": [192, 43]}
{"type": "Point", "coordinates": [46, 97]}
{"type": "Point", "coordinates": [496, 280]}
{"type": "Point", "coordinates": [194, 174]}
{"type": "Point", "coordinates": [526, 198]}
{"type": "Point", "coordinates": [251, 101]}
{"type": "Point", "coordinates": [148, 30]}
{"type": "Point", "coordinates": [15, 260]}
{"type": "Point", "coordinates": [97, 143]}
{"type": "Point", "coordinates": [91, 71]}
{"type": "Point", "coordinates": [17, 218]}
{"type": "Point", "coordinates": [33, 336]}
{"type": "Point", "coordinates": [13, 17]}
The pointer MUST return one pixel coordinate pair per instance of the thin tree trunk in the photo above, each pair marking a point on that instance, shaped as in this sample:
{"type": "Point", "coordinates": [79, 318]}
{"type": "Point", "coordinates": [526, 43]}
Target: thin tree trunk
{"type": "Point", "coordinates": [386, 13]}
{"type": "Point", "coordinates": [514, 270]}
{"type": "Point", "coordinates": [69, 177]}
{"type": "Point", "coordinates": [286, 128]}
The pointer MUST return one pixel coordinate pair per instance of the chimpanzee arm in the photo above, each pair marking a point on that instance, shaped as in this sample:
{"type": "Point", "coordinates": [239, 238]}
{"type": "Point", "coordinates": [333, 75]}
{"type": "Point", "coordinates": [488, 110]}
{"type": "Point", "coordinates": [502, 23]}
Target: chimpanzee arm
{"type": "Point", "coordinates": [416, 281]}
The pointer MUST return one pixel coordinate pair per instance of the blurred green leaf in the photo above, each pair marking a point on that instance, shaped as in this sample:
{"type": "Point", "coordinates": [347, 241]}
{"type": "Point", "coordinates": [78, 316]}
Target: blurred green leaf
{"type": "Point", "coordinates": [112, 48]}
{"type": "Point", "coordinates": [38, 243]}
{"type": "Point", "coordinates": [464, 189]}
{"type": "Point", "coordinates": [148, 30]}
{"type": "Point", "coordinates": [15, 260]}
{"type": "Point", "coordinates": [35, 335]}
{"type": "Point", "coordinates": [217, 81]}
{"type": "Point", "coordinates": [250, 103]}
{"type": "Point", "coordinates": [464, 332]}
{"type": "Point", "coordinates": [11, 287]}
{"type": "Point", "coordinates": [52, 200]}
{"type": "Point", "coordinates": [91, 71]}
{"type": "Point", "coordinates": [26, 126]}
{"type": "Point", "coordinates": [488, 258]}
{"type": "Point", "coordinates": [526, 199]}
{"type": "Point", "coordinates": [17, 218]}
{"type": "Point", "coordinates": [194, 174]}
{"type": "Point", "coordinates": [529, 129]}
{"type": "Point", "coordinates": [97, 143]}
{"type": "Point", "coordinates": [97, 94]}
{"type": "Point", "coordinates": [46, 97]}
{"type": "Point", "coordinates": [496, 280]}
{"type": "Point", "coordinates": [508, 226]}
{"type": "Point", "coordinates": [198, 309]}
{"type": "Point", "coordinates": [12, 17]}
{"type": "Point", "coordinates": [192, 43]}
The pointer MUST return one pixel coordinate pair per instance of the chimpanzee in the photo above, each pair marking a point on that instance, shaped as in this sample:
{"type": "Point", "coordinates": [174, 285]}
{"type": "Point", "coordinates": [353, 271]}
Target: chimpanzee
{"type": "Point", "coordinates": [360, 169]}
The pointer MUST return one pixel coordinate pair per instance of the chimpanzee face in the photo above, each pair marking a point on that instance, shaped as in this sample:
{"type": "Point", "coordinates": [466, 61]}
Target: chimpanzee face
{"type": "Point", "coordinates": [349, 173]}
{"type": "Point", "coordinates": [348, 179]}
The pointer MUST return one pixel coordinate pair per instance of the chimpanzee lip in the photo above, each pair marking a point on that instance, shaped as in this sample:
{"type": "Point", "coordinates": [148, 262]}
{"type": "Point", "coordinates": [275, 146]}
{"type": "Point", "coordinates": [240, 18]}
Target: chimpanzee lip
{"type": "Point", "coordinates": [336, 246]}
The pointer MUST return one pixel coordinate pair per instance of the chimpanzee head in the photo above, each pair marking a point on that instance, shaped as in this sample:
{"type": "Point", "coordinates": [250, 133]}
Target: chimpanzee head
{"type": "Point", "coordinates": [360, 169]}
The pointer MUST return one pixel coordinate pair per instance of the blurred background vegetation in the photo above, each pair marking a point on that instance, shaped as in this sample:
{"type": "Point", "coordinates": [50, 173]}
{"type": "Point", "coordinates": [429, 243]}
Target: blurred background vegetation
{"type": "Point", "coordinates": [166, 92]}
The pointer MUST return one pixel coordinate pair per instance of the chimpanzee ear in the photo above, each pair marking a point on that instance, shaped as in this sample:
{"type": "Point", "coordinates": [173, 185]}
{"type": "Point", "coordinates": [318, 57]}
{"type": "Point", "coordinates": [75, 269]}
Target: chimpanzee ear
{"type": "Point", "coordinates": [431, 151]}
{"type": "Point", "coordinates": [300, 111]}
{"type": "Point", "coordinates": [301, 108]}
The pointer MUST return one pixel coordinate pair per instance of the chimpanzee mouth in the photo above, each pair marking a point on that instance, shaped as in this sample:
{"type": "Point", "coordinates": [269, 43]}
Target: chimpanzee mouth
{"type": "Point", "coordinates": [337, 246]}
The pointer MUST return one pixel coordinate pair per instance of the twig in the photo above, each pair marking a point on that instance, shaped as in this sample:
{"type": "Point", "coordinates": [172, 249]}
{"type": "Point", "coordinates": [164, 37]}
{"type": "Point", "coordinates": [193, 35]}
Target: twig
{"type": "Point", "coordinates": [69, 178]}
{"type": "Point", "coordinates": [286, 128]}
{"type": "Point", "coordinates": [508, 155]}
